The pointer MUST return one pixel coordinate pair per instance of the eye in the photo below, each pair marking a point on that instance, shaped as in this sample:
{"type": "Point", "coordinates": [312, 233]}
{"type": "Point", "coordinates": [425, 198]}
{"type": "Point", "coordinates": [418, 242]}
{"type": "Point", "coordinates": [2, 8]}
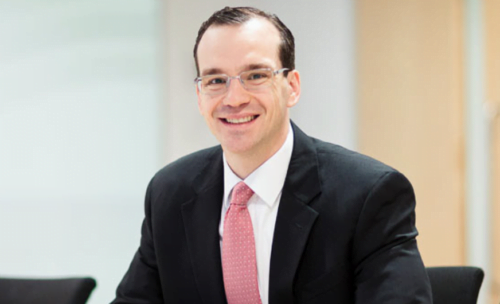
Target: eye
{"type": "Point", "coordinates": [217, 81]}
{"type": "Point", "coordinates": [211, 81]}
{"type": "Point", "coordinates": [257, 76]}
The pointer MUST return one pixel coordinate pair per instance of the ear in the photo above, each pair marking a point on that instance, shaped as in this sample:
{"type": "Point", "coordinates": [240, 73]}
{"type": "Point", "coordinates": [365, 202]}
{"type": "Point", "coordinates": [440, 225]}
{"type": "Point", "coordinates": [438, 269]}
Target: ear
{"type": "Point", "coordinates": [198, 94]}
{"type": "Point", "coordinates": [293, 78]}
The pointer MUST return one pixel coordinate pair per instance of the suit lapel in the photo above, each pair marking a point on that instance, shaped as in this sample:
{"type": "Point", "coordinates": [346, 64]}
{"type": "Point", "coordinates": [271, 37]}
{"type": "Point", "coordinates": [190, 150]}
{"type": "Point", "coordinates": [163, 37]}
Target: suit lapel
{"type": "Point", "coordinates": [201, 217]}
{"type": "Point", "coordinates": [295, 218]}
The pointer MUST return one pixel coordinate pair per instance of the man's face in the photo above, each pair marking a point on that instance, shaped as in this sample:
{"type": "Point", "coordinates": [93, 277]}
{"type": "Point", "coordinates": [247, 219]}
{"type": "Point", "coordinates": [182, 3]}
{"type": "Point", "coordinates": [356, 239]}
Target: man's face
{"type": "Point", "coordinates": [246, 123]}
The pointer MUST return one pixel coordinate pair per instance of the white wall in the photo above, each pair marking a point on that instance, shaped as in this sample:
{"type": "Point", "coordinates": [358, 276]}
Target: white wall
{"type": "Point", "coordinates": [477, 150]}
{"type": "Point", "coordinates": [79, 135]}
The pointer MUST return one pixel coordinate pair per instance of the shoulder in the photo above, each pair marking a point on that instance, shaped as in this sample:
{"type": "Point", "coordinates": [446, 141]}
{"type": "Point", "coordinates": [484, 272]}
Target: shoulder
{"type": "Point", "coordinates": [183, 172]}
{"type": "Point", "coordinates": [349, 168]}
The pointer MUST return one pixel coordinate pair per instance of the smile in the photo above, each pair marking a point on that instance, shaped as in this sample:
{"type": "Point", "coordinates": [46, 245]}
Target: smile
{"type": "Point", "coordinates": [240, 120]}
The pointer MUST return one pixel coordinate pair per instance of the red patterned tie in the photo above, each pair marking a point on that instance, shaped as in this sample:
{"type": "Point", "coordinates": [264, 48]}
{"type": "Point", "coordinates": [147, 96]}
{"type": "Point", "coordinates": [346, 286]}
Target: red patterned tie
{"type": "Point", "coordinates": [239, 264]}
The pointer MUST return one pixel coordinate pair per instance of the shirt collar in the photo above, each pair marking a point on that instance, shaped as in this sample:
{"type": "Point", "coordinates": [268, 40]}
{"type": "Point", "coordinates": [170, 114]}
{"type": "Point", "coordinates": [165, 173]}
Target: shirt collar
{"type": "Point", "coordinates": [268, 179]}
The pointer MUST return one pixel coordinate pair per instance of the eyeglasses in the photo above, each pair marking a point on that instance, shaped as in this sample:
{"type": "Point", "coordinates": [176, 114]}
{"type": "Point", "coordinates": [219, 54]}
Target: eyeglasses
{"type": "Point", "coordinates": [252, 80]}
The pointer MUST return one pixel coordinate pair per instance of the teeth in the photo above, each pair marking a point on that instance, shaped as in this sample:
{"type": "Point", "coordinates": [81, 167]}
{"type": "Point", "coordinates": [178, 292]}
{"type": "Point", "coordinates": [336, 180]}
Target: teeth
{"type": "Point", "coordinates": [240, 120]}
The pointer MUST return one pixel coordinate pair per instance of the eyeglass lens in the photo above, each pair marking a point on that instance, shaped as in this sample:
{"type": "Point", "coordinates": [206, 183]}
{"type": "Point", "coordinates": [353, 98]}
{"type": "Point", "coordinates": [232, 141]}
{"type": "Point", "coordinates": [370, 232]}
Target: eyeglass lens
{"type": "Point", "coordinates": [251, 80]}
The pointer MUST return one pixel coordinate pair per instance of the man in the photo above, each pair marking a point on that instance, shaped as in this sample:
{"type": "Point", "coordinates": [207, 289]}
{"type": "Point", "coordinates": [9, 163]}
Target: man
{"type": "Point", "coordinates": [271, 215]}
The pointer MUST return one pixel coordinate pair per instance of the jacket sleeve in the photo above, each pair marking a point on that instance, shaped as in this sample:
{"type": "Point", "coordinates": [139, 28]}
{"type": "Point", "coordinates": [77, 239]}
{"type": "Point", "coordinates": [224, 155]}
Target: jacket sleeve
{"type": "Point", "coordinates": [141, 283]}
{"type": "Point", "coordinates": [387, 264]}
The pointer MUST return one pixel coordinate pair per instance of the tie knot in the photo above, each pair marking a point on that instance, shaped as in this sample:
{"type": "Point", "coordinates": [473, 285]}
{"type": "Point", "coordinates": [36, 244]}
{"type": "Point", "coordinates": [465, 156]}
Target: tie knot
{"type": "Point", "coordinates": [241, 194]}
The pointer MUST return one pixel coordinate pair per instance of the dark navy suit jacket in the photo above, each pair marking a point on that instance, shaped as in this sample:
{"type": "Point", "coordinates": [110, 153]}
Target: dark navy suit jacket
{"type": "Point", "coordinates": [345, 233]}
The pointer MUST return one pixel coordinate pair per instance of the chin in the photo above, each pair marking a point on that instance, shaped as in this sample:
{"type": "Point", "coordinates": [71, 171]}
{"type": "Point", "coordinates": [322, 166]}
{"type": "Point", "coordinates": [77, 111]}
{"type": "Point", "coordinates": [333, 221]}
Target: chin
{"type": "Point", "coordinates": [238, 148]}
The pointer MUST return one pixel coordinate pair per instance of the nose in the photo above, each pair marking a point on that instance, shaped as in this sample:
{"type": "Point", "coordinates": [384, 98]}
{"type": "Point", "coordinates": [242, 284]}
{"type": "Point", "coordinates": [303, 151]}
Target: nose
{"type": "Point", "coordinates": [236, 94]}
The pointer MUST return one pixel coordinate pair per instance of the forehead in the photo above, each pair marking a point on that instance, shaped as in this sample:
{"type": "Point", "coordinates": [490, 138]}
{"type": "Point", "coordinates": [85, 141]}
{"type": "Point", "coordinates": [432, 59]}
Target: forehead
{"type": "Point", "coordinates": [232, 48]}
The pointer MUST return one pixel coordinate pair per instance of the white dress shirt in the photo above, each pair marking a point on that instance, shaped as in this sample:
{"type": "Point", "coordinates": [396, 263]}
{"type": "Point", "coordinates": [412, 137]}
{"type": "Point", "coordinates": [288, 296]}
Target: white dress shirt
{"type": "Point", "coordinates": [267, 184]}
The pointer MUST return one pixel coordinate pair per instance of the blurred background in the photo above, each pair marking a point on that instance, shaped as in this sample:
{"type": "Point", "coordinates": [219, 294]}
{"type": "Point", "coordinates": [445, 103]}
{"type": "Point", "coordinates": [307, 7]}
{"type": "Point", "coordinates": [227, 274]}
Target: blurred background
{"type": "Point", "coordinates": [96, 96]}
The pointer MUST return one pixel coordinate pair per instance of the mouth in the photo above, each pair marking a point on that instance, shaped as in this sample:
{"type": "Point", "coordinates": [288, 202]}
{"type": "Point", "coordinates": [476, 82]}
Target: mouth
{"type": "Point", "coordinates": [240, 120]}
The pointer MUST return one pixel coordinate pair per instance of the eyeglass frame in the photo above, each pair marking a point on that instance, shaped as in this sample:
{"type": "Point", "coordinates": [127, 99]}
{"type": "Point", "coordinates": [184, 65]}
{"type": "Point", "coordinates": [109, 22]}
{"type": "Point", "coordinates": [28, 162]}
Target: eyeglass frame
{"type": "Point", "coordinates": [197, 80]}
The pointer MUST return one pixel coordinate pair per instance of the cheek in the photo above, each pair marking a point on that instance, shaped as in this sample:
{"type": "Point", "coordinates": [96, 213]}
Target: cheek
{"type": "Point", "coordinates": [207, 108]}
{"type": "Point", "coordinates": [281, 100]}
{"type": "Point", "coordinates": [285, 93]}
{"type": "Point", "coordinates": [282, 93]}
{"type": "Point", "coordinates": [207, 115]}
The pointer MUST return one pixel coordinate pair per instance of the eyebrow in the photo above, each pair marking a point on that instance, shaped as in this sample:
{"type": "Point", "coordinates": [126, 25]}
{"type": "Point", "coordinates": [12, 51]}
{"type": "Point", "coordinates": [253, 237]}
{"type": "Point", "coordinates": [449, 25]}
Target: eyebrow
{"type": "Point", "coordinates": [252, 66]}
{"type": "Point", "coordinates": [211, 71]}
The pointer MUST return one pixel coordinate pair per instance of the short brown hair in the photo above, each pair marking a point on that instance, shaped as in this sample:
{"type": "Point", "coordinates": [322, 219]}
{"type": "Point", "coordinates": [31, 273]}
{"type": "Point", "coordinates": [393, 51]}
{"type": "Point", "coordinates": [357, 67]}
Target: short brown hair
{"type": "Point", "coordinates": [240, 15]}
